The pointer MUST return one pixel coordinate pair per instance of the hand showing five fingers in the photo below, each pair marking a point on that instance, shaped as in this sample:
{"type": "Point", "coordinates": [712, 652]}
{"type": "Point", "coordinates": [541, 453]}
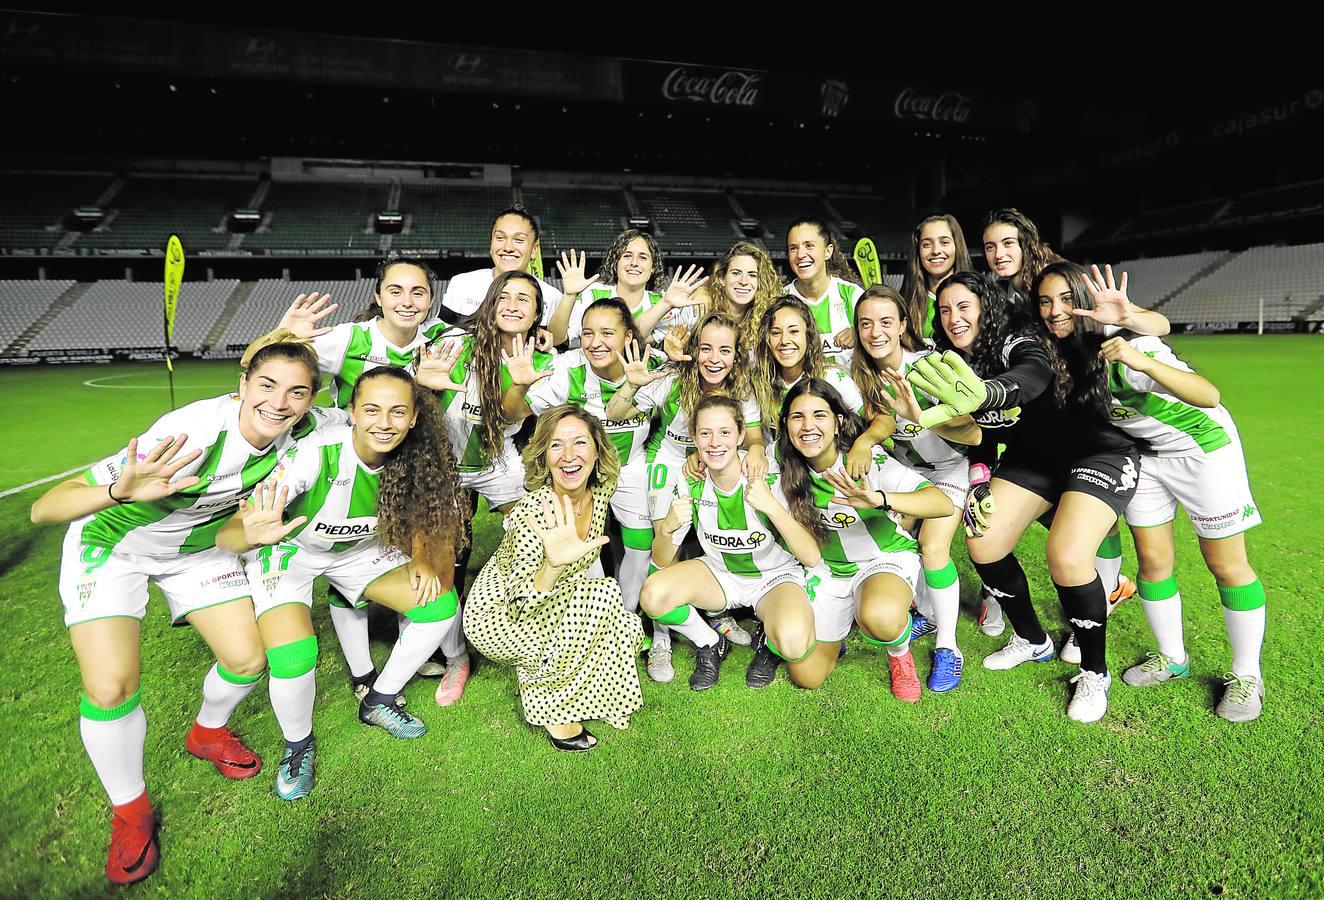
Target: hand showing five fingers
{"type": "Point", "coordinates": [436, 363]}
{"type": "Point", "coordinates": [635, 362]}
{"type": "Point", "coordinates": [520, 364]}
{"type": "Point", "coordinates": [573, 280]}
{"type": "Point", "coordinates": [264, 515]}
{"type": "Point", "coordinates": [1111, 305]}
{"type": "Point", "coordinates": [902, 401]}
{"type": "Point", "coordinates": [674, 343]}
{"type": "Point", "coordinates": [562, 544]}
{"type": "Point", "coordinates": [850, 493]}
{"type": "Point", "coordinates": [304, 314]}
{"type": "Point", "coordinates": [146, 479]}
{"type": "Point", "coordinates": [681, 292]}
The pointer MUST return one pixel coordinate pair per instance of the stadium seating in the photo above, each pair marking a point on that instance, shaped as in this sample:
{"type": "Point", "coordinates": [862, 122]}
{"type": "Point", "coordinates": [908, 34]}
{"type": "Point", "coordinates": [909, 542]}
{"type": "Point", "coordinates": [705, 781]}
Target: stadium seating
{"type": "Point", "coordinates": [576, 218]}
{"type": "Point", "coordinates": [272, 296]}
{"type": "Point", "coordinates": [1296, 199]}
{"type": "Point", "coordinates": [321, 216]}
{"type": "Point", "coordinates": [1173, 219]}
{"type": "Point", "coordinates": [449, 216]}
{"type": "Point", "coordinates": [35, 205]}
{"type": "Point", "coordinates": [775, 212]}
{"type": "Point", "coordinates": [1290, 279]}
{"type": "Point", "coordinates": [876, 218]}
{"type": "Point", "coordinates": [23, 302]}
{"type": "Point", "coordinates": [148, 210]}
{"type": "Point", "coordinates": [117, 314]}
{"type": "Point", "coordinates": [690, 222]}
{"type": "Point", "coordinates": [1151, 281]}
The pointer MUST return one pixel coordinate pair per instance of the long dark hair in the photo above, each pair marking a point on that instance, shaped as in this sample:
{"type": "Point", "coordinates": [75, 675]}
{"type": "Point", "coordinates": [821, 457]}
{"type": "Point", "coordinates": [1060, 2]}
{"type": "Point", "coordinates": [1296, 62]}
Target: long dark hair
{"type": "Point", "coordinates": [864, 369]}
{"type": "Point", "coordinates": [485, 356]}
{"type": "Point", "coordinates": [797, 481]}
{"type": "Point", "coordinates": [768, 382]}
{"type": "Point", "coordinates": [1035, 252]}
{"type": "Point", "coordinates": [1089, 371]}
{"type": "Point", "coordinates": [1003, 315]}
{"type": "Point", "coordinates": [419, 496]}
{"type": "Point", "coordinates": [915, 284]}
{"type": "Point", "coordinates": [374, 309]}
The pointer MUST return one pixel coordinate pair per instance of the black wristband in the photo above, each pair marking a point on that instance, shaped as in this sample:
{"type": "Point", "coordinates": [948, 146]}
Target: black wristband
{"type": "Point", "coordinates": [886, 506]}
{"type": "Point", "coordinates": [111, 494]}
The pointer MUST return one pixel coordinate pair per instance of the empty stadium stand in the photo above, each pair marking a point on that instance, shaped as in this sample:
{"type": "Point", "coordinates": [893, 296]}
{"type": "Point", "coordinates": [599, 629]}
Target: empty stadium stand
{"type": "Point", "coordinates": [272, 296]}
{"type": "Point", "coordinates": [146, 211]}
{"type": "Point", "coordinates": [699, 223]}
{"type": "Point", "coordinates": [775, 212]}
{"type": "Point", "coordinates": [1152, 282]}
{"type": "Point", "coordinates": [320, 216]}
{"type": "Point", "coordinates": [874, 217]}
{"type": "Point", "coordinates": [577, 218]}
{"type": "Point", "coordinates": [23, 302]}
{"type": "Point", "coordinates": [1289, 279]}
{"type": "Point", "coordinates": [35, 205]}
{"type": "Point", "coordinates": [120, 314]}
{"type": "Point", "coordinates": [449, 216]}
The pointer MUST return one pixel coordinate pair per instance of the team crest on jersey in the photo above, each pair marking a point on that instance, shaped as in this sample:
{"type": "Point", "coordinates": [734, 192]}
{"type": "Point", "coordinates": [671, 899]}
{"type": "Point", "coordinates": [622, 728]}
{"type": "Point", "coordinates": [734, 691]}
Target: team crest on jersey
{"type": "Point", "coordinates": [907, 430]}
{"type": "Point", "coordinates": [757, 537]}
{"type": "Point", "coordinates": [1122, 413]}
{"type": "Point", "coordinates": [734, 542]}
{"type": "Point", "coordinates": [86, 585]}
{"type": "Point", "coordinates": [841, 520]}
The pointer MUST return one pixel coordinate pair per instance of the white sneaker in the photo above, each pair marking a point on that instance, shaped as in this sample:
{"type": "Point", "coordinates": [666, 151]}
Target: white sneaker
{"type": "Point", "coordinates": [659, 665]}
{"type": "Point", "coordinates": [431, 669]}
{"type": "Point", "coordinates": [1070, 652]}
{"type": "Point", "coordinates": [1090, 700]}
{"type": "Point", "coordinates": [729, 628]}
{"type": "Point", "coordinates": [990, 616]}
{"type": "Point", "coordinates": [1017, 651]}
{"type": "Point", "coordinates": [1243, 698]}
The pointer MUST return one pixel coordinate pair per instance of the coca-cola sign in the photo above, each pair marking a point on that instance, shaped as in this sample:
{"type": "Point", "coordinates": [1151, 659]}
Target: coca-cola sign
{"type": "Point", "coordinates": [720, 87]}
{"type": "Point", "coordinates": [948, 106]}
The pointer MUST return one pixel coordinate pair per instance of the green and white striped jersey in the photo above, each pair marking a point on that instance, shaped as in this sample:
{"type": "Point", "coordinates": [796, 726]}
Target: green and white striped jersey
{"type": "Point", "coordinates": [1160, 423]}
{"type": "Point", "coordinates": [673, 434]}
{"type": "Point", "coordinates": [351, 349]}
{"type": "Point", "coordinates": [330, 485]}
{"type": "Point", "coordinates": [833, 311]}
{"type": "Point", "coordinates": [734, 534]}
{"type": "Point", "coordinates": [836, 376]}
{"type": "Point", "coordinates": [857, 536]}
{"type": "Point", "coordinates": [463, 412]}
{"type": "Point", "coordinates": [918, 447]}
{"type": "Point", "coordinates": [574, 381]}
{"type": "Point", "coordinates": [187, 522]}
{"type": "Point", "coordinates": [686, 316]}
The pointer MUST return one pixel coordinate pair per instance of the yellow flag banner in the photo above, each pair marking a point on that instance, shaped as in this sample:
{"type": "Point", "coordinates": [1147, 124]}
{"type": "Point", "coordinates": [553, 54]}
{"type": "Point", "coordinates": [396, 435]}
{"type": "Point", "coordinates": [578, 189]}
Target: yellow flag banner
{"type": "Point", "coordinates": [866, 262]}
{"type": "Point", "coordinates": [535, 262]}
{"type": "Point", "coordinates": [174, 275]}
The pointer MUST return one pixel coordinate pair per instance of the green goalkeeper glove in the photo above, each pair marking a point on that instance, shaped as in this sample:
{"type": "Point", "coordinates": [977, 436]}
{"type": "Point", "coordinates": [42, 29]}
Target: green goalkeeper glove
{"type": "Point", "coordinates": [950, 381]}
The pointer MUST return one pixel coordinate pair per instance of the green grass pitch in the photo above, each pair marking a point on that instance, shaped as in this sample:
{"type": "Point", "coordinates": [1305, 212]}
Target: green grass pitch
{"type": "Point", "coordinates": [990, 791]}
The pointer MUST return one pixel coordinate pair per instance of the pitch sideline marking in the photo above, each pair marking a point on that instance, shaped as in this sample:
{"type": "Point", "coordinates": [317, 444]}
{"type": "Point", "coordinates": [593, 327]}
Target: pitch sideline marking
{"type": "Point", "coordinates": [31, 484]}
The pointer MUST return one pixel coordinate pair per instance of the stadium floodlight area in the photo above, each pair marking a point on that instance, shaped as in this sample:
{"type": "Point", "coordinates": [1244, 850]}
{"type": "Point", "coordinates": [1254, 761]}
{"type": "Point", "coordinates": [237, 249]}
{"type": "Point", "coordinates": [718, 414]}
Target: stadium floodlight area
{"type": "Point", "coordinates": [699, 223]}
{"type": "Point", "coordinates": [1288, 279]}
{"type": "Point", "coordinates": [147, 211]}
{"type": "Point", "coordinates": [272, 296]}
{"type": "Point", "coordinates": [23, 302]}
{"type": "Point", "coordinates": [449, 217]}
{"type": "Point", "coordinates": [576, 218]}
{"type": "Point", "coordinates": [125, 314]}
{"type": "Point", "coordinates": [321, 216]}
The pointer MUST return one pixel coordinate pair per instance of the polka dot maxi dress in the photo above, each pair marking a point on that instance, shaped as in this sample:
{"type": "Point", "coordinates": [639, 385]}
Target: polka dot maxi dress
{"type": "Point", "coordinates": [574, 647]}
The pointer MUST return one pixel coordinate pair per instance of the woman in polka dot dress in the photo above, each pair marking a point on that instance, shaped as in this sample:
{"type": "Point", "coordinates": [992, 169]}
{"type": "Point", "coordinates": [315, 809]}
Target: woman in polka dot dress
{"type": "Point", "coordinates": [568, 635]}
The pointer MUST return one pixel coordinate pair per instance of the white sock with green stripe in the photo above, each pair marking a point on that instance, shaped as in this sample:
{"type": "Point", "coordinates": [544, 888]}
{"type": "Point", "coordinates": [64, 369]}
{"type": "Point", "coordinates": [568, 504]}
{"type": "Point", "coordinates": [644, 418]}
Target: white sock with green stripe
{"type": "Point", "coordinates": [1162, 603]}
{"type": "Point", "coordinates": [1108, 562]}
{"type": "Point", "coordinates": [898, 646]}
{"type": "Point", "coordinates": [114, 741]}
{"type": "Point", "coordinates": [944, 587]}
{"type": "Point", "coordinates": [420, 636]}
{"type": "Point", "coordinates": [1243, 614]}
{"type": "Point", "coordinates": [352, 631]}
{"type": "Point", "coordinates": [687, 621]}
{"type": "Point", "coordinates": [293, 686]}
{"type": "Point", "coordinates": [222, 691]}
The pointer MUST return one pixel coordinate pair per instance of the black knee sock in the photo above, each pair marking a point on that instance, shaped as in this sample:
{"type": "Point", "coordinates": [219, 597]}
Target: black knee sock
{"type": "Point", "coordinates": [1086, 606]}
{"type": "Point", "coordinates": [1006, 580]}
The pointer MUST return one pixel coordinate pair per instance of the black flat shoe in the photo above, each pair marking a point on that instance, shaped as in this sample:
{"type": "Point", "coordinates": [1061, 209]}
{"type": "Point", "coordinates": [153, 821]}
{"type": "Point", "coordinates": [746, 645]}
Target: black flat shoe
{"type": "Point", "coordinates": [580, 743]}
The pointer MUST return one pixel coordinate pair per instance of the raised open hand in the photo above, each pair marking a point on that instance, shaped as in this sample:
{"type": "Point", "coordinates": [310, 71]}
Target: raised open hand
{"type": "Point", "coordinates": [562, 544]}
{"type": "Point", "coordinates": [1111, 306]}
{"type": "Point", "coordinates": [681, 292]}
{"type": "Point", "coordinates": [850, 493]}
{"type": "Point", "coordinates": [263, 515]}
{"type": "Point", "coordinates": [304, 314]}
{"type": "Point", "coordinates": [147, 478]}
{"type": "Point", "coordinates": [902, 402]}
{"type": "Point", "coordinates": [436, 366]}
{"type": "Point", "coordinates": [520, 364]}
{"type": "Point", "coordinates": [673, 345]}
{"type": "Point", "coordinates": [573, 280]}
{"type": "Point", "coordinates": [635, 362]}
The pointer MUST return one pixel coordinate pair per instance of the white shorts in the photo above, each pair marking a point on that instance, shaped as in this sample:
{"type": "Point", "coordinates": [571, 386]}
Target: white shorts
{"type": "Point", "coordinates": [952, 480]}
{"type": "Point", "coordinates": [1212, 487]}
{"type": "Point", "coordinates": [746, 593]}
{"type": "Point", "coordinates": [630, 504]}
{"type": "Point", "coordinates": [664, 473]}
{"type": "Point", "coordinates": [97, 583]}
{"type": "Point", "coordinates": [284, 573]}
{"type": "Point", "coordinates": [502, 483]}
{"type": "Point", "coordinates": [835, 600]}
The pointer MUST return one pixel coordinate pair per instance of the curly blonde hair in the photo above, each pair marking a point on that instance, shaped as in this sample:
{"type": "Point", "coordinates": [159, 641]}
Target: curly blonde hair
{"type": "Point", "coordinates": [769, 289]}
{"type": "Point", "coordinates": [536, 474]}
